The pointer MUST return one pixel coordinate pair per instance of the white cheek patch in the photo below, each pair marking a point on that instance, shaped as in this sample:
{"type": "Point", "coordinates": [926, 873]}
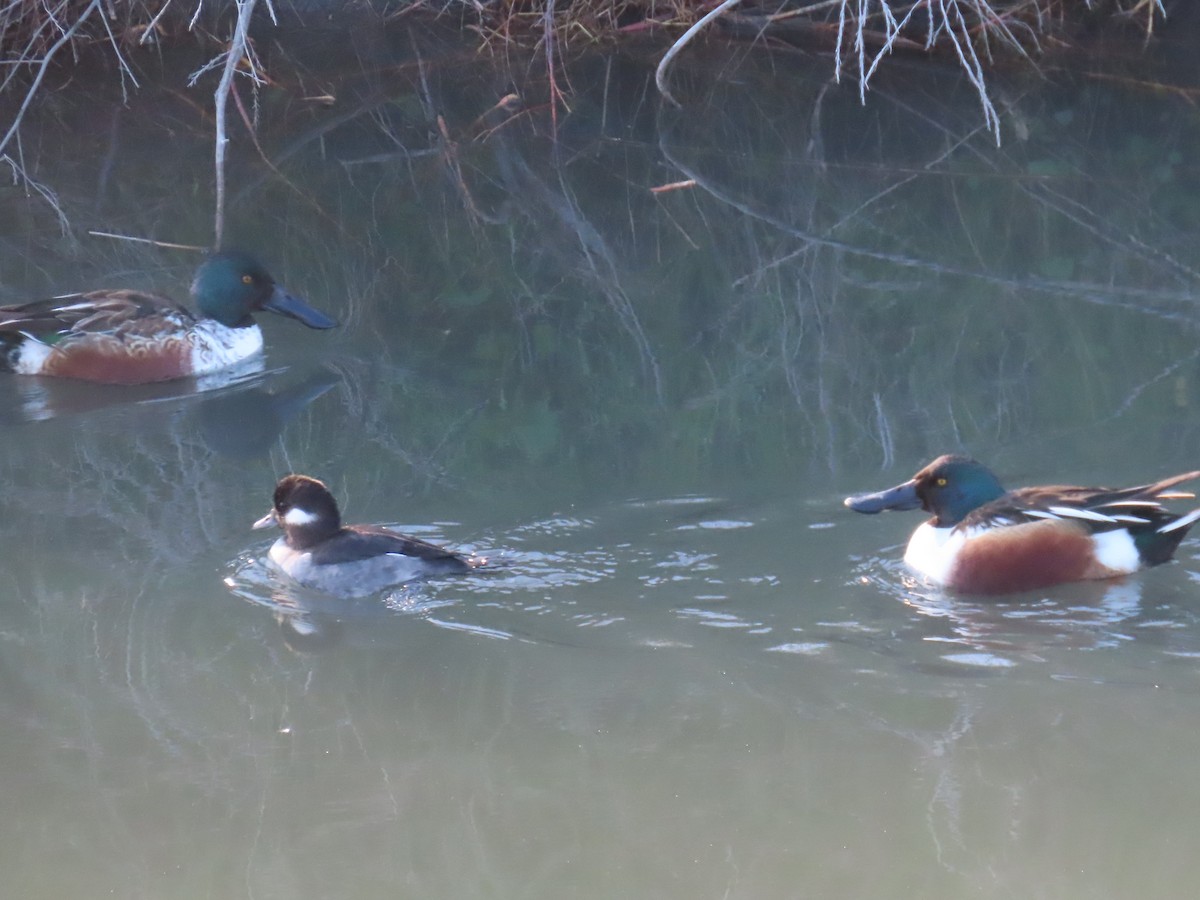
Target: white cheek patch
{"type": "Point", "coordinates": [298, 516]}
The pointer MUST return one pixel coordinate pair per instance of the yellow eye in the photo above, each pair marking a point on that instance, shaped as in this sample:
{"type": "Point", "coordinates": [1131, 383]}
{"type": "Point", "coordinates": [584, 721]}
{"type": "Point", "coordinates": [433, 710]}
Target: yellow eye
{"type": "Point", "coordinates": [942, 482]}
{"type": "Point", "coordinates": [247, 279]}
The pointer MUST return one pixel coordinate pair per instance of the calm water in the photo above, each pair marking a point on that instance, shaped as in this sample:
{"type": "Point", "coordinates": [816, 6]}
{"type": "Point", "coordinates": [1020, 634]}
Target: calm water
{"type": "Point", "coordinates": [690, 673]}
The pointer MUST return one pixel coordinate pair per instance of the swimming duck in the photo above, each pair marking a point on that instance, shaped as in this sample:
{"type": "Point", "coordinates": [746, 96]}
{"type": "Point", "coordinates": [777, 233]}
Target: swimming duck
{"type": "Point", "coordinates": [319, 552]}
{"type": "Point", "coordinates": [985, 540]}
{"type": "Point", "coordinates": [133, 337]}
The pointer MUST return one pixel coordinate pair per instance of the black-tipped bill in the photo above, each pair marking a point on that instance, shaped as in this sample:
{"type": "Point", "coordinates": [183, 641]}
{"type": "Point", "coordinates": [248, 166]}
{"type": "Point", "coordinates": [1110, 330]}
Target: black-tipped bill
{"type": "Point", "coordinates": [285, 304]}
{"type": "Point", "coordinates": [902, 496]}
{"type": "Point", "coordinates": [267, 521]}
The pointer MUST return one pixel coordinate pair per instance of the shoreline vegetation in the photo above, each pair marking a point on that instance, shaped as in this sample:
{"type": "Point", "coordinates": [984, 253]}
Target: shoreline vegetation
{"type": "Point", "coordinates": [860, 35]}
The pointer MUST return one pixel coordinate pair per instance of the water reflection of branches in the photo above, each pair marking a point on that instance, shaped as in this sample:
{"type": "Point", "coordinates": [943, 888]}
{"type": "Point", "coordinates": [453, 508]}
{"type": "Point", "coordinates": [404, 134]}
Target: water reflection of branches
{"type": "Point", "coordinates": [1106, 294]}
{"type": "Point", "coordinates": [534, 196]}
{"type": "Point", "coordinates": [373, 394]}
{"type": "Point", "coordinates": [846, 216]}
{"type": "Point", "coordinates": [40, 34]}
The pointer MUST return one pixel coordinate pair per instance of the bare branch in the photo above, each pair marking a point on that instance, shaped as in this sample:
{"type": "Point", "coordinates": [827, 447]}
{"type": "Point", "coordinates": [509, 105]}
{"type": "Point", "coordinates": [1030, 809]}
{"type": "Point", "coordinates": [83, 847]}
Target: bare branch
{"type": "Point", "coordinates": [660, 74]}
{"type": "Point", "coordinates": [237, 50]}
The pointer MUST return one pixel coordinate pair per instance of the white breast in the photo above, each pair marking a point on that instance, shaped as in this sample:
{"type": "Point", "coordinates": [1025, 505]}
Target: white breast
{"type": "Point", "coordinates": [216, 346]}
{"type": "Point", "coordinates": [932, 551]}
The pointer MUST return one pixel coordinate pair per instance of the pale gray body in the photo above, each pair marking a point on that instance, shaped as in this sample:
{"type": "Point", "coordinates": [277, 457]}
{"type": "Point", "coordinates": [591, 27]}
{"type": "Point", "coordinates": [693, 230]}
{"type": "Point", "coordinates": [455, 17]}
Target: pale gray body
{"type": "Point", "coordinates": [356, 578]}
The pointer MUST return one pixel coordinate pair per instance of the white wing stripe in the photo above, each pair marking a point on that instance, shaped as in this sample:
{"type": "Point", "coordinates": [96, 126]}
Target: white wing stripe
{"type": "Point", "coordinates": [1181, 522]}
{"type": "Point", "coordinates": [1072, 513]}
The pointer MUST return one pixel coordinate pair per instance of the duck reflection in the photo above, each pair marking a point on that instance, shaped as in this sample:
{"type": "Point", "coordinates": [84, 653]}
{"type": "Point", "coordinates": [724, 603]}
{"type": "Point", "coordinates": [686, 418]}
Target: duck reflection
{"type": "Point", "coordinates": [35, 398]}
{"type": "Point", "coordinates": [237, 413]}
{"type": "Point", "coordinates": [309, 632]}
{"type": "Point", "coordinates": [244, 423]}
{"type": "Point", "coordinates": [999, 631]}
{"type": "Point", "coordinates": [988, 634]}
{"type": "Point", "coordinates": [311, 621]}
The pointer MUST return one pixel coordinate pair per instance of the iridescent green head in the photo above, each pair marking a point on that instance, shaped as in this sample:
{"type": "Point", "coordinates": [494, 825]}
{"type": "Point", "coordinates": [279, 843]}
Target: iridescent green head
{"type": "Point", "coordinates": [231, 286]}
{"type": "Point", "coordinates": [950, 488]}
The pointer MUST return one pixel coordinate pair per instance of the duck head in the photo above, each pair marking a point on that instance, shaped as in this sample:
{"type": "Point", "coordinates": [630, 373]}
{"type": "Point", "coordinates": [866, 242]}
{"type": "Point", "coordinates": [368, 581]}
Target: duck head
{"type": "Point", "coordinates": [230, 286]}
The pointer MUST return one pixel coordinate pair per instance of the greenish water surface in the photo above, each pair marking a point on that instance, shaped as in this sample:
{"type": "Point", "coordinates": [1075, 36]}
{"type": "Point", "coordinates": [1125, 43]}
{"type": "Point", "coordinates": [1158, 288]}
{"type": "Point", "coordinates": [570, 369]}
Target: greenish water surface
{"type": "Point", "coordinates": [691, 672]}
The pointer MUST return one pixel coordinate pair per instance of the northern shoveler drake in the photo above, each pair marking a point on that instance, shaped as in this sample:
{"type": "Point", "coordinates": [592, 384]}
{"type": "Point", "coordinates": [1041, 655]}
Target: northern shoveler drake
{"type": "Point", "coordinates": [985, 540]}
{"type": "Point", "coordinates": [319, 552]}
{"type": "Point", "coordinates": [132, 337]}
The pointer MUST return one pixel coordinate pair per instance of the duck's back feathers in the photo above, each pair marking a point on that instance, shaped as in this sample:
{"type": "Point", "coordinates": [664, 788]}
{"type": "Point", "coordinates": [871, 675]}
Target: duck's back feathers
{"type": "Point", "coordinates": [354, 543]}
{"type": "Point", "coordinates": [1097, 509]}
{"type": "Point", "coordinates": [117, 337]}
{"type": "Point", "coordinates": [98, 312]}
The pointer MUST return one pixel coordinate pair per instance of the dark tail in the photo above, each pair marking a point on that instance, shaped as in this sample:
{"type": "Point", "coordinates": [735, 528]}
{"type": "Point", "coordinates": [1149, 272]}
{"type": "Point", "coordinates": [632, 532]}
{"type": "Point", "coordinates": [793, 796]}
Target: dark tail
{"type": "Point", "coordinates": [1158, 545]}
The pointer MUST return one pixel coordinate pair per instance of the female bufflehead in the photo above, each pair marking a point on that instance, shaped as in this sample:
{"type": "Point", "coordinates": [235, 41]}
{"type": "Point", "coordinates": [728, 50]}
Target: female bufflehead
{"type": "Point", "coordinates": [319, 552]}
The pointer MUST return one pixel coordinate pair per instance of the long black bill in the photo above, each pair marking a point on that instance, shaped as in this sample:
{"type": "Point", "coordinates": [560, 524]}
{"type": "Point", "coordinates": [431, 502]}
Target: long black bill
{"type": "Point", "coordinates": [285, 304]}
{"type": "Point", "coordinates": [902, 496]}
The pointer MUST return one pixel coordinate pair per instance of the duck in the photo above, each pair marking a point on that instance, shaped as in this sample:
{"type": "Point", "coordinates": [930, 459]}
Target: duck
{"type": "Point", "coordinates": [983, 539]}
{"type": "Point", "coordinates": [319, 552]}
{"type": "Point", "coordinates": [133, 337]}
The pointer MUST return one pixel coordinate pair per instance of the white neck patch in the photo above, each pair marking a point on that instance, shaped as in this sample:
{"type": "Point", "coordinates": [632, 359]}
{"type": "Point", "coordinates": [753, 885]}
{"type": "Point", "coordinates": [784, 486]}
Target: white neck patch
{"type": "Point", "coordinates": [298, 516]}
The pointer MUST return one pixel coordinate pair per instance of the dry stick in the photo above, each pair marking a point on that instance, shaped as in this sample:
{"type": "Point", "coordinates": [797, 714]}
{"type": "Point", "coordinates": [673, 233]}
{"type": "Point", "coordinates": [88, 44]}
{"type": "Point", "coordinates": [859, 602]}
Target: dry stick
{"type": "Point", "coordinates": [141, 240]}
{"type": "Point", "coordinates": [18, 168]}
{"type": "Point", "coordinates": [448, 149]}
{"type": "Point", "coordinates": [793, 13]}
{"type": "Point", "coordinates": [27, 55]}
{"type": "Point", "coordinates": [37, 81]}
{"type": "Point", "coordinates": [971, 66]}
{"type": "Point", "coordinates": [660, 74]}
{"type": "Point", "coordinates": [236, 50]}
{"type": "Point", "coordinates": [894, 29]}
{"type": "Point", "coordinates": [153, 26]}
{"type": "Point", "coordinates": [548, 32]}
{"type": "Point", "coordinates": [126, 71]}
{"type": "Point", "coordinates": [970, 63]}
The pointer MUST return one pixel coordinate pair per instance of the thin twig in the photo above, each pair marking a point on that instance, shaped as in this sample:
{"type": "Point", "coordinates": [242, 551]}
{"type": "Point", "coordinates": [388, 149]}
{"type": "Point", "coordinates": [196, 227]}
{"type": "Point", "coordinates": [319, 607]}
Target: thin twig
{"type": "Point", "coordinates": [548, 36]}
{"type": "Point", "coordinates": [126, 71]}
{"type": "Point", "coordinates": [660, 74]}
{"type": "Point", "coordinates": [37, 80]}
{"type": "Point", "coordinates": [44, 191]}
{"type": "Point", "coordinates": [141, 240]}
{"type": "Point", "coordinates": [237, 51]}
{"type": "Point", "coordinates": [153, 26]}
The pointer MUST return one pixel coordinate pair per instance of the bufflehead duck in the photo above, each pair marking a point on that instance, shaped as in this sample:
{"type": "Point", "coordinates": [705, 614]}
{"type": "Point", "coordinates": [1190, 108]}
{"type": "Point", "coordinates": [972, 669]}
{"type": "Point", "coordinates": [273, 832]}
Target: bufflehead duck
{"type": "Point", "coordinates": [319, 552]}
